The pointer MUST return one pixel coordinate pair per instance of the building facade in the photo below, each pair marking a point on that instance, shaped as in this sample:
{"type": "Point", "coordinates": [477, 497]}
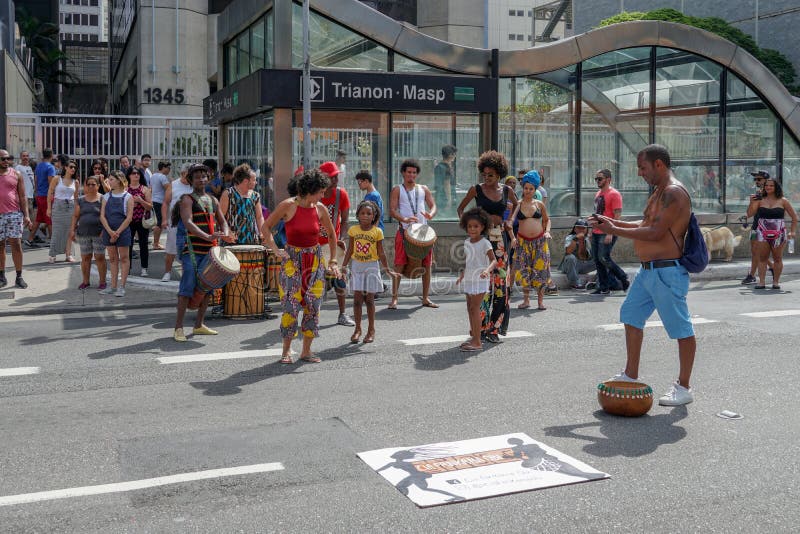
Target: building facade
{"type": "Point", "coordinates": [83, 20]}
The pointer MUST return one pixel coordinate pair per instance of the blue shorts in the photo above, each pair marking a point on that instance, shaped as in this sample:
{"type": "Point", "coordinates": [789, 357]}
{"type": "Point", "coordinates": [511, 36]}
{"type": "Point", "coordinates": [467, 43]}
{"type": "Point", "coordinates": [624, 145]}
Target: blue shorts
{"type": "Point", "coordinates": [189, 276]}
{"type": "Point", "coordinates": [663, 290]}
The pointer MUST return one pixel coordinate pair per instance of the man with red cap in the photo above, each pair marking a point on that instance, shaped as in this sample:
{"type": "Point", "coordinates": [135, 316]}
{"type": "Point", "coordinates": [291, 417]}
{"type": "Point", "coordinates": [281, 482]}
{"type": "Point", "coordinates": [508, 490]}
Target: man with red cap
{"type": "Point", "coordinates": [338, 203]}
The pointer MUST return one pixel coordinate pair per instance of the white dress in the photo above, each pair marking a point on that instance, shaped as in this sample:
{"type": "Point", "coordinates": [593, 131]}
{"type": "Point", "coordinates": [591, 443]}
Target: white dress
{"type": "Point", "coordinates": [477, 262]}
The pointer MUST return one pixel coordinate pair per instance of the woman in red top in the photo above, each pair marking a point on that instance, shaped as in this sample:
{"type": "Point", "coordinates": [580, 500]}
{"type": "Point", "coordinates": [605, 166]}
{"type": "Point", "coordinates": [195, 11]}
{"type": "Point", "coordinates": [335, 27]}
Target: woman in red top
{"type": "Point", "coordinates": [302, 278]}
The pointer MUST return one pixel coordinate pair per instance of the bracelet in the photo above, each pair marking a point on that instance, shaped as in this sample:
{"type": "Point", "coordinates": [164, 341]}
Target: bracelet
{"type": "Point", "coordinates": [333, 262]}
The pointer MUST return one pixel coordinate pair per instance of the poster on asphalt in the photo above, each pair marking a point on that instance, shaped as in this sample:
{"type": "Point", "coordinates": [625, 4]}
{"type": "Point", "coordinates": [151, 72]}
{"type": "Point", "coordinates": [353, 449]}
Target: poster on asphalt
{"type": "Point", "coordinates": [443, 473]}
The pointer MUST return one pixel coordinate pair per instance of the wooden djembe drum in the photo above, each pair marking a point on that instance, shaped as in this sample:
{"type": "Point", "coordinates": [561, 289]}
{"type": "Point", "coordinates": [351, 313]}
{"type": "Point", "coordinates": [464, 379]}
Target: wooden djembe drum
{"type": "Point", "coordinates": [630, 399]}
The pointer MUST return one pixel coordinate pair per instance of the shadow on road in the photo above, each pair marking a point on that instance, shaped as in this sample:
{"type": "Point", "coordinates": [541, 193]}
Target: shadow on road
{"type": "Point", "coordinates": [626, 436]}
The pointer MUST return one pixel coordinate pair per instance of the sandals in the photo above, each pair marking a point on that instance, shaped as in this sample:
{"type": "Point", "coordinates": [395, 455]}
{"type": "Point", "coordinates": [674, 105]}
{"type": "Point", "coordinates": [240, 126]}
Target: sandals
{"type": "Point", "coordinates": [370, 337]}
{"type": "Point", "coordinates": [523, 306]}
{"type": "Point", "coordinates": [355, 337]}
{"type": "Point", "coordinates": [776, 286]}
{"type": "Point", "coordinates": [466, 347]}
{"type": "Point", "coordinates": [759, 287]}
{"type": "Point", "coordinates": [287, 359]}
{"type": "Point", "coordinates": [311, 359]}
{"type": "Point", "coordinates": [71, 259]}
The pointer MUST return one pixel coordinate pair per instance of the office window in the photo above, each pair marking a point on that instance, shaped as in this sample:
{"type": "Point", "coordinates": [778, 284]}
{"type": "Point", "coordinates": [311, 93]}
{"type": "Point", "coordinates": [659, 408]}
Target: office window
{"type": "Point", "coordinates": [67, 18]}
{"type": "Point", "coordinates": [85, 19]}
{"type": "Point", "coordinates": [93, 3]}
{"type": "Point", "coordinates": [520, 37]}
{"type": "Point", "coordinates": [84, 2]}
{"type": "Point", "coordinates": [93, 38]}
{"type": "Point", "coordinates": [530, 38]}
{"type": "Point", "coordinates": [530, 13]}
{"type": "Point", "coordinates": [511, 12]}
{"type": "Point", "coordinates": [93, 20]}
{"type": "Point", "coordinates": [511, 36]}
{"type": "Point", "coordinates": [520, 13]}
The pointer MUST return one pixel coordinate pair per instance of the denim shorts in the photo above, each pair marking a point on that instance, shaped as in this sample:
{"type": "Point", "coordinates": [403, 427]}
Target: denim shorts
{"type": "Point", "coordinates": [189, 276]}
{"type": "Point", "coordinates": [663, 290]}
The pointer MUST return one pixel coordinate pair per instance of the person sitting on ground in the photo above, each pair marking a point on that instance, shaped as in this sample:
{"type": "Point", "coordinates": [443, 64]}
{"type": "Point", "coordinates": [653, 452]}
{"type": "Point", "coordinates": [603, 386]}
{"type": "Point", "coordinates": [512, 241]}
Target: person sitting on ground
{"type": "Point", "coordinates": [577, 254]}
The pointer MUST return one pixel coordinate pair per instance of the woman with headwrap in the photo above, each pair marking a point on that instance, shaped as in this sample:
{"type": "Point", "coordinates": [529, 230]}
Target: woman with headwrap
{"type": "Point", "coordinates": [532, 254]}
{"type": "Point", "coordinates": [495, 198]}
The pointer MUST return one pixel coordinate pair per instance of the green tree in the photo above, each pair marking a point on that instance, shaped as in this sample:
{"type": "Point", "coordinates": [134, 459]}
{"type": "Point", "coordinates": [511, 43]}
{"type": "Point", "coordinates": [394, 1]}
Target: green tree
{"type": "Point", "coordinates": [776, 62]}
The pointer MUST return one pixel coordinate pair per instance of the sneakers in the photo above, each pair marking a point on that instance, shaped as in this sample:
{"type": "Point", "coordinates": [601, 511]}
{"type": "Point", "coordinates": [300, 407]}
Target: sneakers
{"type": "Point", "coordinates": [551, 290]}
{"type": "Point", "coordinates": [120, 291]}
{"type": "Point", "coordinates": [102, 286]}
{"type": "Point", "coordinates": [749, 279]}
{"type": "Point", "coordinates": [676, 396]}
{"type": "Point", "coordinates": [143, 273]}
{"type": "Point", "coordinates": [578, 286]}
{"type": "Point", "coordinates": [38, 240]}
{"type": "Point", "coordinates": [622, 377]}
{"type": "Point", "coordinates": [108, 290]}
{"type": "Point", "coordinates": [3, 281]}
{"type": "Point", "coordinates": [591, 285]}
{"type": "Point", "coordinates": [51, 259]}
{"type": "Point", "coordinates": [179, 336]}
{"type": "Point", "coordinates": [203, 330]}
{"type": "Point", "coordinates": [28, 243]}
{"type": "Point", "coordinates": [492, 338]}
{"type": "Point", "coordinates": [83, 286]}
{"type": "Point", "coordinates": [601, 292]}
{"type": "Point", "coordinates": [344, 320]}
{"type": "Point", "coordinates": [166, 278]}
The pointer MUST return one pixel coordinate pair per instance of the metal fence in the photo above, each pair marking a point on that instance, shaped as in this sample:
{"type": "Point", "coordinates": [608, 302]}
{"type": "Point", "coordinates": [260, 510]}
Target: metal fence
{"type": "Point", "coordinates": [87, 137]}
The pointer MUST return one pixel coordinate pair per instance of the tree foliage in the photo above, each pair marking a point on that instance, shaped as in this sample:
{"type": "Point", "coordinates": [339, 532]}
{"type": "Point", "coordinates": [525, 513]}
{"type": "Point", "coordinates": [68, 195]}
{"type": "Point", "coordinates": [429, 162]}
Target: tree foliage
{"type": "Point", "coordinates": [776, 62]}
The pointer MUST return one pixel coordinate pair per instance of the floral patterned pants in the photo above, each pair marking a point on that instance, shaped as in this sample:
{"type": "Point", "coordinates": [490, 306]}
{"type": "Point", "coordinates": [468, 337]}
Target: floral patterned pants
{"type": "Point", "coordinates": [302, 282]}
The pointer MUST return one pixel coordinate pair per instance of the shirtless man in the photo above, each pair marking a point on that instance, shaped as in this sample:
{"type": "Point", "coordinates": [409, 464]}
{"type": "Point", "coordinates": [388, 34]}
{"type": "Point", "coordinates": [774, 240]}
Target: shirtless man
{"type": "Point", "coordinates": [662, 283]}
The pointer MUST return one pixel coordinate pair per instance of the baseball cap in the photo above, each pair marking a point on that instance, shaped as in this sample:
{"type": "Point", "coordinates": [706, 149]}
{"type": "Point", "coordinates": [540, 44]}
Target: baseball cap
{"type": "Point", "coordinates": [760, 174]}
{"type": "Point", "coordinates": [197, 167]}
{"type": "Point", "coordinates": [582, 223]}
{"type": "Point", "coordinates": [329, 168]}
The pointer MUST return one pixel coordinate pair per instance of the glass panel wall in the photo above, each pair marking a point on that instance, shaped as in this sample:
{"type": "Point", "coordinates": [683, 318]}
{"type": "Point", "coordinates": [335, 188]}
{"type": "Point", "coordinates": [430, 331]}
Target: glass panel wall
{"type": "Point", "coordinates": [249, 51]}
{"type": "Point", "coordinates": [537, 133]}
{"type": "Point", "coordinates": [333, 46]}
{"type": "Point", "coordinates": [362, 136]}
{"type": "Point", "coordinates": [751, 142]}
{"type": "Point", "coordinates": [687, 123]}
{"type": "Point", "coordinates": [250, 141]}
{"type": "Point", "coordinates": [791, 169]}
{"type": "Point", "coordinates": [615, 124]}
{"type": "Point", "coordinates": [404, 64]}
{"type": "Point", "coordinates": [425, 137]}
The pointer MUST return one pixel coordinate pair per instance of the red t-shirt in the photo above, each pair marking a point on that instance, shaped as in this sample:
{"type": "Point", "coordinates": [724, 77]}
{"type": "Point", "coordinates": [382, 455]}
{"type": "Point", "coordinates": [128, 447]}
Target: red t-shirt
{"type": "Point", "coordinates": [605, 203]}
{"type": "Point", "coordinates": [329, 202]}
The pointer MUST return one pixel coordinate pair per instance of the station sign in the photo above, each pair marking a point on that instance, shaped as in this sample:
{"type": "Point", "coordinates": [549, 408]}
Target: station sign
{"type": "Point", "coordinates": [332, 90]}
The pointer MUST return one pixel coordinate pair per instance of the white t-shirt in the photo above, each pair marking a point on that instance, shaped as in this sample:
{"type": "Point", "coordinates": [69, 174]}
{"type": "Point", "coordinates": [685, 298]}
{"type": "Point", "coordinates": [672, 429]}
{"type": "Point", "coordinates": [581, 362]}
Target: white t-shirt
{"type": "Point", "coordinates": [178, 190]}
{"type": "Point", "coordinates": [28, 178]}
{"type": "Point", "coordinates": [477, 259]}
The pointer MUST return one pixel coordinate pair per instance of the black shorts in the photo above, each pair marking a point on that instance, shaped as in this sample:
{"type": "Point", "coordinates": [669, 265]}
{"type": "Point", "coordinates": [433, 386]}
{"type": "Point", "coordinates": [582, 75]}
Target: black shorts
{"type": "Point", "coordinates": [157, 207]}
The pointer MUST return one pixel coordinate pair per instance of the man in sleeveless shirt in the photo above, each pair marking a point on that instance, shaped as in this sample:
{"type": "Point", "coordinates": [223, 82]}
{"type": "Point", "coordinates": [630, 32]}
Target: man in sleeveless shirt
{"type": "Point", "coordinates": [662, 282]}
{"type": "Point", "coordinates": [411, 203]}
{"type": "Point", "coordinates": [13, 216]}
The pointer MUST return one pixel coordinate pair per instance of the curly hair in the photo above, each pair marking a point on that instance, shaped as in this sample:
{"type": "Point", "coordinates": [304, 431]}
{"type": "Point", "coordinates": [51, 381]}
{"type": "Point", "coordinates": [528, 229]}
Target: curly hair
{"type": "Point", "coordinates": [475, 214]}
{"type": "Point", "coordinates": [410, 163]}
{"type": "Point", "coordinates": [494, 160]}
{"type": "Point", "coordinates": [312, 181]}
{"type": "Point", "coordinates": [241, 173]}
{"type": "Point", "coordinates": [778, 188]}
{"type": "Point", "coordinates": [376, 212]}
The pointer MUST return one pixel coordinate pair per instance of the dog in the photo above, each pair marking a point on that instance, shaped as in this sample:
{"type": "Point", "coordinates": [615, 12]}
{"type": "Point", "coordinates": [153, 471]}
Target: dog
{"type": "Point", "coordinates": [720, 239]}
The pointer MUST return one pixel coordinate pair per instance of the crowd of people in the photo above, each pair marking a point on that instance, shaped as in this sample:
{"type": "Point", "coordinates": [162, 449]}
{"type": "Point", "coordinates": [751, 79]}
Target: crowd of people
{"type": "Point", "coordinates": [507, 243]}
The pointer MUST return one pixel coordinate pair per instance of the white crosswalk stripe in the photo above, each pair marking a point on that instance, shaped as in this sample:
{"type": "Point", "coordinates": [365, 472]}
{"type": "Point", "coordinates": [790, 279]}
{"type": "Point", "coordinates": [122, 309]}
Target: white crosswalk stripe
{"type": "Point", "coordinates": [20, 371]}
{"type": "Point", "coordinates": [650, 324]}
{"type": "Point", "coordinates": [776, 313]}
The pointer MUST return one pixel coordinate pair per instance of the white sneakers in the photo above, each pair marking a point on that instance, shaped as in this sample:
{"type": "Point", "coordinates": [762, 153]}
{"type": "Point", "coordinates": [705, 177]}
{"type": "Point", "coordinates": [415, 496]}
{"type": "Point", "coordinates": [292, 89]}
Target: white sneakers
{"type": "Point", "coordinates": [622, 377]}
{"type": "Point", "coordinates": [676, 396]}
{"type": "Point", "coordinates": [120, 291]}
{"type": "Point", "coordinates": [166, 278]}
{"type": "Point", "coordinates": [144, 273]}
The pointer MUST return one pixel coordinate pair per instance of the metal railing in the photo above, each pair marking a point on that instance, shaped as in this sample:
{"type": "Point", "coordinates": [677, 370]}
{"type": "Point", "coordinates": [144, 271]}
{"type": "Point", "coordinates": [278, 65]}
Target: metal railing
{"type": "Point", "coordinates": [87, 137]}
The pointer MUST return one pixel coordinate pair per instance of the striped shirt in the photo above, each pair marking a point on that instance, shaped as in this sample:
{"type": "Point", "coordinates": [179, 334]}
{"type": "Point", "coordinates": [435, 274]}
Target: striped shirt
{"type": "Point", "coordinates": [203, 217]}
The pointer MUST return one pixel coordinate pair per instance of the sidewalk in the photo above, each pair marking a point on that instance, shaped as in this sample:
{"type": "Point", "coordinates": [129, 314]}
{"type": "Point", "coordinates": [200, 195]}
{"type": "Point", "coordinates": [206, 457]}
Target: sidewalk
{"type": "Point", "coordinates": [53, 288]}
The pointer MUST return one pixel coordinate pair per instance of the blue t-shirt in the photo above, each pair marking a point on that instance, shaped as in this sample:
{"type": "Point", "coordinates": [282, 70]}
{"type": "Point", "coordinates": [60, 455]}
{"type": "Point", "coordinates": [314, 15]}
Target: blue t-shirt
{"type": "Point", "coordinates": [216, 182]}
{"type": "Point", "coordinates": [44, 171]}
{"type": "Point", "coordinates": [375, 197]}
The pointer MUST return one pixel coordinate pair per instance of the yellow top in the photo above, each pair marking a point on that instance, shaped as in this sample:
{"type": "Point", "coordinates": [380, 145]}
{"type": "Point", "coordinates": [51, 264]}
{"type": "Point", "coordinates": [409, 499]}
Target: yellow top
{"type": "Point", "coordinates": [365, 243]}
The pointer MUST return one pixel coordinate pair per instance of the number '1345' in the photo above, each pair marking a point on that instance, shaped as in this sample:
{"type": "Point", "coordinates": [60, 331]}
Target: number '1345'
{"type": "Point", "coordinates": [156, 95]}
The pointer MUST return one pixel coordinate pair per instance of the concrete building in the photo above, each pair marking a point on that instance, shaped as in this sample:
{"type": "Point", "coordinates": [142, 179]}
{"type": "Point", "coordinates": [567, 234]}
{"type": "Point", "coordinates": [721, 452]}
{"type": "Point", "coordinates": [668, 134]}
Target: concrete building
{"type": "Point", "coordinates": [773, 23]}
{"type": "Point", "coordinates": [83, 20]}
{"type": "Point", "coordinates": [16, 80]}
{"type": "Point", "coordinates": [160, 56]}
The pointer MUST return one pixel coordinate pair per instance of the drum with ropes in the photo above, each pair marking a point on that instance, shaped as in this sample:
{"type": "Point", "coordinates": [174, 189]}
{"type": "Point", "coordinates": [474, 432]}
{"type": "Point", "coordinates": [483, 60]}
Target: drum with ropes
{"type": "Point", "coordinates": [220, 268]}
{"type": "Point", "coordinates": [418, 240]}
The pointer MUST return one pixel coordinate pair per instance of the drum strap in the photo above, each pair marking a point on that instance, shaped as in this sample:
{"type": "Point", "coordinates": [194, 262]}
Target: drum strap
{"type": "Point", "coordinates": [414, 202]}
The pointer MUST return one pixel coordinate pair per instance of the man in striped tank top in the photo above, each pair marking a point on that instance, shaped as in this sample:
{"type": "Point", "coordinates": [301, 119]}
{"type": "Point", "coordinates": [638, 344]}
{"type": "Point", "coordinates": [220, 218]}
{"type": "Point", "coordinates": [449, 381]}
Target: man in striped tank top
{"type": "Point", "coordinates": [201, 224]}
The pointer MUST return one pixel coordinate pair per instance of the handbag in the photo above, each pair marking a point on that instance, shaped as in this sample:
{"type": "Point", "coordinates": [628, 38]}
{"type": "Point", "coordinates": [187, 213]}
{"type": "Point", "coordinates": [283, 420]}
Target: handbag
{"type": "Point", "coordinates": [151, 221]}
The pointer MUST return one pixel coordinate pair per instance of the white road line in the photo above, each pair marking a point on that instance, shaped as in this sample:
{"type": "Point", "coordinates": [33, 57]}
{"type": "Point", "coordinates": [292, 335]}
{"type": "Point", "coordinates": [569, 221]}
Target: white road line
{"type": "Point", "coordinates": [19, 371]}
{"type": "Point", "coordinates": [453, 339]}
{"type": "Point", "coordinates": [649, 324]}
{"type": "Point", "coordinates": [220, 356]}
{"type": "Point", "coordinates": [776, 313]}
{"type": "Point", "coordinates": [84, 491]}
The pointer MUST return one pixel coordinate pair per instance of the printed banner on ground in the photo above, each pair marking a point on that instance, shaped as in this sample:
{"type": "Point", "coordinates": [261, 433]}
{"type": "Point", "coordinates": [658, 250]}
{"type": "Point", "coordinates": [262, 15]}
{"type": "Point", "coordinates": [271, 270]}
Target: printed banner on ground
{"type": "Point", "coordinates": [443, 473]}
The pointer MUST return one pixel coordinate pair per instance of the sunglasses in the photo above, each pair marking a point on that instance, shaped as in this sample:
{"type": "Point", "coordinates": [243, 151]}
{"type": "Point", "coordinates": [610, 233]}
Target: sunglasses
{"type": "Point", "coordinates": [599, 178]}
{"type": "Point", "coordinates": [7, 158]}
{"type": "Point", "coordinates": [73, 167]}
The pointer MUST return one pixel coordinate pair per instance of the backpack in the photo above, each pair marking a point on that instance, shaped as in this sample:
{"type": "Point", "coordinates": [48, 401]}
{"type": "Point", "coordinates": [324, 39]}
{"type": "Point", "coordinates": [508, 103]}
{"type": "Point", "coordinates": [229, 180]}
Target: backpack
{"type": "Point", "coordinates": [695, 253]}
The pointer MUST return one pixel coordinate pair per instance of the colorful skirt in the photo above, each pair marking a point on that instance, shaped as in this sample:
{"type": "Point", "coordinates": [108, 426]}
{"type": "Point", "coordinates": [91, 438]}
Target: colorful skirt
{"type": "Point", "coordinates": [532, 262]}
{"type": "Point", "coordinates": [302, 283]}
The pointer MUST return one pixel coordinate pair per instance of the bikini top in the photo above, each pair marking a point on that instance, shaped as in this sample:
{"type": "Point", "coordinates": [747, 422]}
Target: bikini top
{"type": "Point", "coordinates": [536, 215]}
{"type": "Point", "coordinates": [492, 207]}
{"type": "Point", "coordinates": [771, 213]}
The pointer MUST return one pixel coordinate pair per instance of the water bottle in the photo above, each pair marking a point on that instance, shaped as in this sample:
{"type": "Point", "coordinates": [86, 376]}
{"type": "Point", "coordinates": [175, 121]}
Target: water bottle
{"type": "Point", "coordinates": [791, 246]}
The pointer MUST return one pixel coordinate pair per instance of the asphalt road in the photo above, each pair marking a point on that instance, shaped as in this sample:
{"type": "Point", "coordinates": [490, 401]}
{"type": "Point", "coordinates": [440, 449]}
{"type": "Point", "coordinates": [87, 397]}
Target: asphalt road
{"type": "Point", "coordinates": [104, 409]}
